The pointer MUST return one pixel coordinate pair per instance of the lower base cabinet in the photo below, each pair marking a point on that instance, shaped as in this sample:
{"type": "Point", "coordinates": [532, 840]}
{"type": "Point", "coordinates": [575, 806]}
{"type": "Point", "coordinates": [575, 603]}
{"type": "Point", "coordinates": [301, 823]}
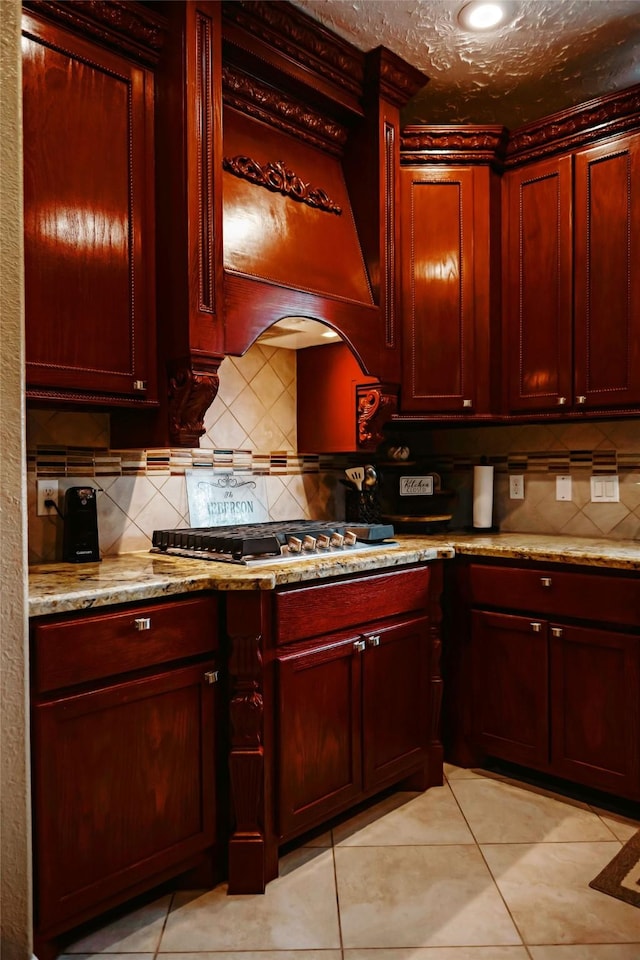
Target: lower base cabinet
{"type": "Point", "coordinates": [353, 717]}
{"type": "Point", "coordinates": [124, 758]}
{"type": "Point", "coordinates": [552, 685]}
{"type": "Point", "coordinates": [334, 695]}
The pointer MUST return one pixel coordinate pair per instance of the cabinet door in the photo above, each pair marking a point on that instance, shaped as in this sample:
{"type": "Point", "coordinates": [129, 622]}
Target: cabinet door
{"type": "Point", "coordinates": [395, 701]}
{"type": "Point", "coordinates": [607, 278]}
{"type": "Point", "coordinates": [319, 733]}
{"type": "Point", "coordinates": [595, 708]}
{"type": "Point", "coordinates": [437, 248]}
{"type": "Point", "coordinates": [124, 788]}
{"type": "Point", "coordinates": [537, 284]}
{"type": "Point", "coordinates": [510, 687]}
{"type": "Point", "coordinates": [88, 211]}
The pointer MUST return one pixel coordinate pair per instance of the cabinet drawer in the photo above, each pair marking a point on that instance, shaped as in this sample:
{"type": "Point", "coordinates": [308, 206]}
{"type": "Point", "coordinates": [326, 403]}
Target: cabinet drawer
{"type": "Point", "coordinates": [322, 608]}
{"type": "Point", "coordinates": [83, 648]}
{"type": "Point", "coordinates": [587, 596]}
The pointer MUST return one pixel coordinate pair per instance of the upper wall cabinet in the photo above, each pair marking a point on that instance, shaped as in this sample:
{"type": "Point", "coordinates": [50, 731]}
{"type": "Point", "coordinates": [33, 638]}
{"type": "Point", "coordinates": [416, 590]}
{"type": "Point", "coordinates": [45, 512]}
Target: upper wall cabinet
{"type": "Point", "coordinates": [571, 248]}
{"type": "Point", "coordinates": [88, 202]}
{"type": "Point", "coordinates": [450, 217]}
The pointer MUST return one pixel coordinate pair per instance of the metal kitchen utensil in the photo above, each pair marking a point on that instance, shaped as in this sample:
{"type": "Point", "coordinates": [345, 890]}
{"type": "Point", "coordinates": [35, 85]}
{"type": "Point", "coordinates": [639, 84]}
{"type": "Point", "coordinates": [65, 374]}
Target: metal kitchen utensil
{"type": "Point", "coordinates": [356, 475]}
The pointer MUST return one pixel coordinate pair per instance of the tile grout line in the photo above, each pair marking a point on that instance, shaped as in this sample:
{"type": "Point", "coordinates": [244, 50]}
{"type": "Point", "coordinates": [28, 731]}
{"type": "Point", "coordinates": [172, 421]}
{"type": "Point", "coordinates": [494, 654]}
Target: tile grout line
{"type": "Point", "coordinates": [484, 860]}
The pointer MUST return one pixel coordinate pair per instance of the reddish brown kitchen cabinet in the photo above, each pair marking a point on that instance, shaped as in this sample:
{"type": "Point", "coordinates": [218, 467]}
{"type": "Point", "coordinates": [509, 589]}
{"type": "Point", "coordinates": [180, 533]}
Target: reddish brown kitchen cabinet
{"type": "Point", "coordinates": [510, 674]}
{"type": "Point", "coordinates": [89, 214]}
{"type": "Point", "coordinates": [448, 218]}
{"type": "Point", "coordinates": [353, 718]}
{"type": "Point", "coordinates": [607, 278]}
{"type": "Point", "coordinates": [124, 753]}
{"type": "Point", "coordinates": [546, 665]}
{"type": "Point", "coordinates": [334, 694]}
{"type": "Point", "coordinates": [571, 290]}
{"type": "Point", "coordinates": [538, 285]}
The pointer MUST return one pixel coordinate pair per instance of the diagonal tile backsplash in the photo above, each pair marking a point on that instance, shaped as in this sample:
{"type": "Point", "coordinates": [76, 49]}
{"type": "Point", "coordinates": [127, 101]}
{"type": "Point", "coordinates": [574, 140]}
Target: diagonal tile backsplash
{"type": "Point", "coordinates": [251, 427]}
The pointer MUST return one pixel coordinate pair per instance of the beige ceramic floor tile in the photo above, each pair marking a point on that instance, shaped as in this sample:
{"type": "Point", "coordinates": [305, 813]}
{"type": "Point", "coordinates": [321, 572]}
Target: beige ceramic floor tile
{"type": "Point", "coordinates": [452, 772]}
{"type": "Point", "coordinates": [259, 955]}
{"type": "Point", "coordinates": [524, 815]}
{"type": "Point", "coordinates": [407, 818]}
{"type": "Point", "coordinates": [419, 896]}
{"type": "Point", "coordinates": [440, 953]}
{"type": "Point", "coordinates": [136, 932]}
{"type": "Point", "coordinates": [95, 956]}
{"type": "Point", "coordinates": [622, 827]}
{"type": "Point", "coordinates": [546, 888]}
{"type": "Point", "coordinates": [298, 911]}
{"type": "Point", "coordinates": [596, 951]}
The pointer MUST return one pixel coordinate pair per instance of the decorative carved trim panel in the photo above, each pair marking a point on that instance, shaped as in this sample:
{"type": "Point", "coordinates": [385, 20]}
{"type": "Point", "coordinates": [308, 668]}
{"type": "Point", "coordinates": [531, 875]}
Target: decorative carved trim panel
{"type": "Point", "coordinates": [263, 102]}
{"type": "Point", "coordinates": [451, 143]}
{"type": "Point", "coordinates": [575, 127]}
{"type": "Point", "coordinates": [190, 396]}
{"type": "Point", "coordinates": [301, 38]}
{"type": "Point", "coordinates": [399, 81]}
{"type": "Point", "coordinates": [130, 27]}
{"type": "Point", "coordinates": [275, 176]}
{"type": "Point", "coordinates": [375, 405]}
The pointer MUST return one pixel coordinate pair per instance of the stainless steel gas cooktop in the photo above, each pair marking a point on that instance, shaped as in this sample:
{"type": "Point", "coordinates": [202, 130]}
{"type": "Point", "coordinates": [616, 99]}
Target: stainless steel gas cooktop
{"type": "Point", "coordinates": [272, 541]}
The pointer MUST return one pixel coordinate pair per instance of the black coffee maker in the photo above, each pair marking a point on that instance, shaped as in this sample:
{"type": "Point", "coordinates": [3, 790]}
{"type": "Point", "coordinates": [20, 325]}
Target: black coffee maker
{"type": "Point", "coordinates": [80, 526]}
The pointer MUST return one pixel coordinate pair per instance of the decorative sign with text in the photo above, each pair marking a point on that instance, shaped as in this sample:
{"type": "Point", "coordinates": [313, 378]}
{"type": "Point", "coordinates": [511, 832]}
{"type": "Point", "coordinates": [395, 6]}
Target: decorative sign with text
{"type": "Point", "coordinates": [225, 499]}
{"type": "Point", "coordinates": [416, 486]}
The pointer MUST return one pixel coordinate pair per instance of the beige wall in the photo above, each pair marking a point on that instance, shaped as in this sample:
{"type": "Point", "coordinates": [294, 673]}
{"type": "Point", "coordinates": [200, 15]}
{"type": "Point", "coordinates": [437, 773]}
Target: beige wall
{"type": "Point", "coordinates": [15, 830]}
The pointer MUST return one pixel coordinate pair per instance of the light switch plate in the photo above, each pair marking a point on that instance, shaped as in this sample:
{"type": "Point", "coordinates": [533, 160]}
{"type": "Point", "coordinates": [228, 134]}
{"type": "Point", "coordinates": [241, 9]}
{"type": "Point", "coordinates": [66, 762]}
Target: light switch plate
{"type": "Point", "coordinates": [563, 487]}
{"type": "Point", "coordinates": [605, 489]}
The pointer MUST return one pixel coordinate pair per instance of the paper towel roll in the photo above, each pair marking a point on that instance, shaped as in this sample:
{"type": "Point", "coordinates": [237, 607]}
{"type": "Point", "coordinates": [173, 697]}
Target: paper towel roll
{"type": "Point", "coordinates": [482, 497]}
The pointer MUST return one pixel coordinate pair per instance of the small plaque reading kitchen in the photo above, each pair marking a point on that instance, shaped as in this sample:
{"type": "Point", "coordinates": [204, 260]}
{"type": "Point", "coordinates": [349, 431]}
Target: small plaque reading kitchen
{"type": "Point", "coordinates": [221, 499]}
{"type": "Point", "coordinates": [416, 486]}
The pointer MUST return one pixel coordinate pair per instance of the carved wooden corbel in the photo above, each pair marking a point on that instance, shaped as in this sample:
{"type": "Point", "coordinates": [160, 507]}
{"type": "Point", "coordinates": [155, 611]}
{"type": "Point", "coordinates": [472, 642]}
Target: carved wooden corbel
{"type": "Point", "coordinates": [190, 396]}
{"type": "Point", "coordinates": [375, 405]}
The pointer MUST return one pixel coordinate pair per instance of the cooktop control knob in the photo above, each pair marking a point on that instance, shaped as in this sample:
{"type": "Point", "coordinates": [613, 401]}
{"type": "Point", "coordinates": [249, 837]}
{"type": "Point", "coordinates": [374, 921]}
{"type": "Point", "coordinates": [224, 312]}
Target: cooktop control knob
{"type": "Point", "coordinates": [323, 542]}
{"type": "Point", "coordinates": [294, 544]}
{"type": "Point", "coordinates": [337, 540]}
{"type": "Point", "coordinates": [349, 538]}
{"type": "Point", "coordinates": [309, 543]}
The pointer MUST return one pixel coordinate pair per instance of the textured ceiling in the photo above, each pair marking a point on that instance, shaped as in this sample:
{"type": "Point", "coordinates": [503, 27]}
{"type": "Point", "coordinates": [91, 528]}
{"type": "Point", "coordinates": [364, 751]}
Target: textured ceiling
{"type": "Point", "coordinates": [552, 55]}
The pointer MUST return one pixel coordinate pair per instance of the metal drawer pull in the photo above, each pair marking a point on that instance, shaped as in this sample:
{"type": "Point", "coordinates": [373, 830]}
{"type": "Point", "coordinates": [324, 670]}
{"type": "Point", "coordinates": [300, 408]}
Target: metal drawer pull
{"type": "Point", "coordinates": [142, 623]}
{"type": "Point", "coordinates": [536, 627]}
{"type": "Point", "coordinates": [212, 676]}
{"type": "Point", "coordinates": [359, 646]}
{"type": "Point", "coordinates": [374, 641]}
{"type": "Point", "coordinates": [556, 631]}
{"type": "Point", "coordinates": [545, 581]}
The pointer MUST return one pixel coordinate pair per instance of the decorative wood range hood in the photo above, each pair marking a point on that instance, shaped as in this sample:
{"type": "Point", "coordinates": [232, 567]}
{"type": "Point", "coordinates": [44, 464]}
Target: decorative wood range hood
{"type": "Point", "coordinates": [277, 184]}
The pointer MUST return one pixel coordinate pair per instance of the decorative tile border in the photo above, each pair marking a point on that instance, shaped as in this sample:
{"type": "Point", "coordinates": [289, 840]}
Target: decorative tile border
{"type": "Point", "coordinates": [61, 461]}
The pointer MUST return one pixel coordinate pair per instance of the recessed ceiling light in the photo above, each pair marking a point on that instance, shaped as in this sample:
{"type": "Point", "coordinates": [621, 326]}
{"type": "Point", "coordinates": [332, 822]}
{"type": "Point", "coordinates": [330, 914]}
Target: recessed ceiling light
{"type": "Point", "coordinates": [479, 15]}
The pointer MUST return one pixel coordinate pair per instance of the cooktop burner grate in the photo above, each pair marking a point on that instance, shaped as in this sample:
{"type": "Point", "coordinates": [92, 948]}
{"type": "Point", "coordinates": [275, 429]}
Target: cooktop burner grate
{"type": "Point", "coordinates": [277, 538]}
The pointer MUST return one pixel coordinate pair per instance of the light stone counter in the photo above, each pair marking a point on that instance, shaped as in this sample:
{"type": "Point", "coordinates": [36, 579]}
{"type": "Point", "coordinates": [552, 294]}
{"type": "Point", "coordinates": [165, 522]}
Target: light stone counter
{"type": "Point", "coordinates": [137, 577]}
{"type": "Point", "coordinates": [547, 548]}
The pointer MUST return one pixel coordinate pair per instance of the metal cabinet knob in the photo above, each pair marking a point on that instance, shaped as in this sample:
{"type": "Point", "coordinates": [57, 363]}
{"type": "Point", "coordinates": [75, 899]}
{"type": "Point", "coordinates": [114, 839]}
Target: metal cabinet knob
{"type": "Point", "coordinates": [212, 676]}
{"type": "Point", "coordinates": [359, 646]}
{"type": "Point", "coordinates": [561, 401]}
{"type": "Point", "coordinates": [467, 403]}
{"type": "Point", "coordinates": [545, 581]}
{"type": "Point", "coordinates": [581, 399]}
{"type": "Point", "coordinates": [374, 641]}
{"type": "Point", "coordinates": [556, 631]}
{"type": "Point", "coordinates": [142, 623]}
{"type": "Point", "coordinates": [536, 627]}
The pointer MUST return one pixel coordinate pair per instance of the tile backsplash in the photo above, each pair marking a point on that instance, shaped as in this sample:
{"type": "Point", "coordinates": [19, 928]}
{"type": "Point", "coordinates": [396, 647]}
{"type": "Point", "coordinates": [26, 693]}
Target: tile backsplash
{"type": "Point", "coordinates": [538, 452]}
{"type": "Point", "coordinates": [251, 428]}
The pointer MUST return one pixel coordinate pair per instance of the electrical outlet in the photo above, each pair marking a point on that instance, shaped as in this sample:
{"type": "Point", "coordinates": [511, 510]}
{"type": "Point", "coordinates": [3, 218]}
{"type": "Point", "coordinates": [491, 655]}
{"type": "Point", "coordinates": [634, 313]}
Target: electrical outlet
{"type": "Point", "coordinates": [563, 487]}
{"type": "Point", "coordinates": [516, 486]}
{"type": "Point", "coordinates": [46, 490]}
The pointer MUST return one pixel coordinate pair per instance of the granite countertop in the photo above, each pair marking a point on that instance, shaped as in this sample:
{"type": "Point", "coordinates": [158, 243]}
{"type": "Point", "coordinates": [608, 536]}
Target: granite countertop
{"type": "Point", "coordinates": [138, 577]}
{"type": "Point", "coordinates": [64, 587]}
